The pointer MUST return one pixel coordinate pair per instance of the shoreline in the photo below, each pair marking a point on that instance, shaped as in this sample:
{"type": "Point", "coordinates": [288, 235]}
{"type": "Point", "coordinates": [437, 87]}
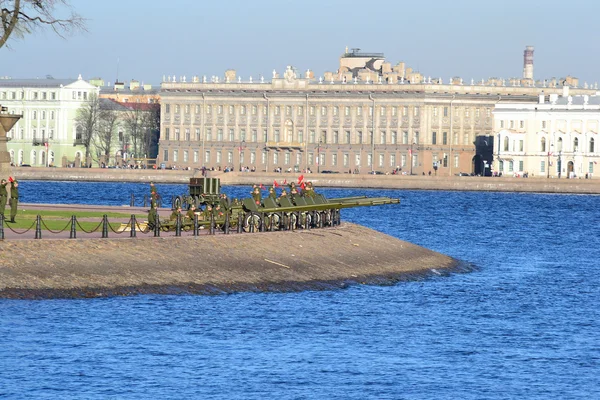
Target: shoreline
{"type": "Point", "coordinates": [260, 262]}
{"type": "Point", "coordinates": [403, 182]}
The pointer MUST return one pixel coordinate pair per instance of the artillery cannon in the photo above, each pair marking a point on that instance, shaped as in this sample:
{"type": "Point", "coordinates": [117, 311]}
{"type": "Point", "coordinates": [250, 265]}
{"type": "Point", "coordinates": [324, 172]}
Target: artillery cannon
{"type": "Point", "coordinates": [284, 213]}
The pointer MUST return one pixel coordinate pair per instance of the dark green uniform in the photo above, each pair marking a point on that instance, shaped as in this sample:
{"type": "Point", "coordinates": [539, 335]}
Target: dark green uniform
{"type": "Point", "coordinates": [14, 199]}
{"type": "Point", "coordinates": [176, 213]}
{"type": "Point", "coordinates": [293, 193]}
{"type": "Point", "coordinates": [190, 213]}
{"type": "Point", "coordinates": [225, 202]}
{"type": "Point", "coordinates": [272, 194]}
{"type": "Point", "coordinates": [3, 195]}
{"type": "Point", "coordinates": [256, 195]}
{"type": "Point", "coordinates": [309, 191]}
{"type": "Point", "coordinates": [153, 213]}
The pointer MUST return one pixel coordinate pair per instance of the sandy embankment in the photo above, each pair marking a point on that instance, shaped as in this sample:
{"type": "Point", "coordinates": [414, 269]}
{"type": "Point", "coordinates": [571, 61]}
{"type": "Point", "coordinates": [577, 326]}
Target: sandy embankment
{"type": "Point", "coordinates": [273, 261]}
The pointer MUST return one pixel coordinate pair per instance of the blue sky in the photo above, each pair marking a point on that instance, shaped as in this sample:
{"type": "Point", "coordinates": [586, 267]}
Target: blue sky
{"type": "Point", "coordinates": [439, 38]}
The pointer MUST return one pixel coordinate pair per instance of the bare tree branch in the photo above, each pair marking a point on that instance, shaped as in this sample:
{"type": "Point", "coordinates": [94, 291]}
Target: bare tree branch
{"type": "Point", "coordinates": [20, 17]}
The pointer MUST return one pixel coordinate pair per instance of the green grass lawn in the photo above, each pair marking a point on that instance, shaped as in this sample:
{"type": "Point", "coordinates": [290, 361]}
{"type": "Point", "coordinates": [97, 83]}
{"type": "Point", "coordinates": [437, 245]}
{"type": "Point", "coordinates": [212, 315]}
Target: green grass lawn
{"type": "Point", "coordinates": [59, 220]}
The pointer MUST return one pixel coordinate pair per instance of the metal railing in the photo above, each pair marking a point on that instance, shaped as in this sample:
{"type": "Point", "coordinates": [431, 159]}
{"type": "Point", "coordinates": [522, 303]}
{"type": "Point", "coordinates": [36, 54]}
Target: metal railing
{"type": "Point", "coordinates": [242, 223]}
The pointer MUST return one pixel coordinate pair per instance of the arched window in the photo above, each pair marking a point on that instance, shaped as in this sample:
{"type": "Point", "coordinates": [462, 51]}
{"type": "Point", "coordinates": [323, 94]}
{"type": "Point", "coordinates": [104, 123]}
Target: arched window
{"type": "Point", "coordinates": [20, 157]}
{"type": "Point", "coordinates": [79, 133]}
{"type": "Point", "coordinates": [543, 145]}
{"type": "Point", "coordinates": [560, 144]}
{"type": "Point", "coordinates": [575, 144]}
{"type": "Point", "coordinates": [591, 145]}
{"type": "Point", "coordinates": [33, 158]}
{"type": "Point", "coordinates": [506, 143]}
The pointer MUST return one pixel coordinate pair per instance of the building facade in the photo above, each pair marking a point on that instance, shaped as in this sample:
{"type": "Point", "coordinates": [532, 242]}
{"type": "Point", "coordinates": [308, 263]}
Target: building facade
{"type": "Point", "coordinates": [354, 126]}
{"type": "Point", "coordinates": [47, 134]}
{"type": "Point", "coordinates": [555, 137]}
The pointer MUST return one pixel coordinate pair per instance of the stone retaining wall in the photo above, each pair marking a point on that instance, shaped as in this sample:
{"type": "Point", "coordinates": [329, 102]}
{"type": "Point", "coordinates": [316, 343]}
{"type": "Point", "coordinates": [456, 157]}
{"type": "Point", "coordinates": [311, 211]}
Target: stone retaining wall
{"type": "Point", "coordinates": [455, 183]}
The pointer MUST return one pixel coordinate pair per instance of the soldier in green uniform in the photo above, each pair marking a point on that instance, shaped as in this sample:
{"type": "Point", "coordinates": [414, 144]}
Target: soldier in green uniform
{"type": "Point", "coordinates": [272, 193]}
{"type": "Point", "coordinates": [207, 212]}
{"type": "Point", "coordinates": [14, 199]}
{"type": "Point", "coordinates": [3, 195]}
{"type": "Point", "coordinates": [225, 202]}
{"type": "Point", "coordinates": [309, 190]}
{"type": "Point", "coordinates": [256, 195]}
{"type": "Point", "coordinates": [189, 215]}
{"type": "Point", "coordinates": [283, 194]}
{"type": "Point", "coordinates": [293, 193]}
{"type": "Point", "coordinates": [153, 212]}
{"type": "Point", "coordinates": [175, 213]}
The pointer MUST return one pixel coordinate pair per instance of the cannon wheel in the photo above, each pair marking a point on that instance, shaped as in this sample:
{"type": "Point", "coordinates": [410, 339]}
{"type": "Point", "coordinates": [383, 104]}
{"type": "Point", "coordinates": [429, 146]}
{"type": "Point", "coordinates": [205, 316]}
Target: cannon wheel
{"type": "Point", "coordinates": [326, 217]}
{"type": "Point", "coordinates": [178, 202]}
{"type": "Point", "coordinates": [164, 228]}
{"type": "Point", "coordinates": [305, 220]}
{"type": "Point", "coordinates": [317, 220]}
{"type": "Point", "coordinates": [276, 220]}
{"type": "Point", "coordinates": [294, 220]}
{"type": "Point", "coordinates": [252, 219]}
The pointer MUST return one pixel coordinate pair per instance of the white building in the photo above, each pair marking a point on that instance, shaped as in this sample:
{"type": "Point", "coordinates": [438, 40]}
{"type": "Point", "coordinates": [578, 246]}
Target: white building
{"type": "Point", "coordinates": [47, 133]}
{"type": "Point", "coordinates": [557, 137]}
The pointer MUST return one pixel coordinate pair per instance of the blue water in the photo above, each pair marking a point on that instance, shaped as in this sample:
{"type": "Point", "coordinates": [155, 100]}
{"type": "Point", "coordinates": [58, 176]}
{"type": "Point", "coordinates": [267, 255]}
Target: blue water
{"type": "Point", "coordinates": [523, 325]}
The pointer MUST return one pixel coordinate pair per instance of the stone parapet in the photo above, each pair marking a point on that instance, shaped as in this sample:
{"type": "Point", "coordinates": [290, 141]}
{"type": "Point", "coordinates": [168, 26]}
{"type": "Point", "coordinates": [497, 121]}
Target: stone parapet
{"type": "Point", "coordinates": [404, 182]}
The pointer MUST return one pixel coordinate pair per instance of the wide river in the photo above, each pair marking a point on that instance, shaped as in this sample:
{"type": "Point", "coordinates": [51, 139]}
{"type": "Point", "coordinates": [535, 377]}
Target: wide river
{"type": "Point", "coordinates": [525, 324]}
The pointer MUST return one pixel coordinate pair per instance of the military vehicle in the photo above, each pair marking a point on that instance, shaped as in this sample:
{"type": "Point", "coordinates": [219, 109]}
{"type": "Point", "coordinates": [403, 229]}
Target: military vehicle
{"type": "Point", "coordinates": [216, 210]}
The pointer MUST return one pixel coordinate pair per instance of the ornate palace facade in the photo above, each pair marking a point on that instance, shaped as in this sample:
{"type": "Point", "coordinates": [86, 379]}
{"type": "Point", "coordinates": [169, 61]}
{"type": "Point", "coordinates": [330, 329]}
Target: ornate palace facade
{"type": "Point", "coordinates": [350, 125]}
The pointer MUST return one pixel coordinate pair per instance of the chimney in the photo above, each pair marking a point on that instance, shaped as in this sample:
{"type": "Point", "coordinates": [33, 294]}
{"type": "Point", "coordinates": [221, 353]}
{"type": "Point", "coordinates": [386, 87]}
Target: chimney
{"type": "Point", "coordinates": [528, 62]}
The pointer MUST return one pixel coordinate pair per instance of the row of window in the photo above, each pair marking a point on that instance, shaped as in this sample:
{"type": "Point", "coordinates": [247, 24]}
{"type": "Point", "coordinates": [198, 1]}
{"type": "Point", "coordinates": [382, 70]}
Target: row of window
{"type": "Point", "coordinates": [34, 95]}
{"type": "Point", "coordinates": [511, 124]}
{"type": "Point", "coordinates": [286, 158]}
{"type": "Point", "coordinates": [323, 110]}
{"type": "Point", "coordinates": [35, 158]}
{"type": "Point", "coordinates": [289, 136]}
{"type": "Point", "coordinates": [509, 166]}
{"type": "Point", "coordinates": [35, 134]}
{"type": "Point", "coordinates": [519, 145]}
{"type": "Point", "coordinates": [42, 114]}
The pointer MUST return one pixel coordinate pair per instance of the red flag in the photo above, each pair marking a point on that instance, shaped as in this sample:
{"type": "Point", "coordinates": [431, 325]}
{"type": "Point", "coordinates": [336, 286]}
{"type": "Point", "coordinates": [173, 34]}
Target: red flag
{"type": "Point", "coordinates": [275, 184]}
{"type": "Point", "coordinates": [10, 179]}
{"type": "Point", "coordinates": [262, 187]}
{"type": "Point", "coordinates": [302, 185]}
{"type": "Point", "coordinates": [285, 181]}
{"type": "Point", "coordinates": [300, 178]}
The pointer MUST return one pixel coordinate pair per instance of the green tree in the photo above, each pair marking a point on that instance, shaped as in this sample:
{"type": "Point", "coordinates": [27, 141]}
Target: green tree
{"type": "Point", "coordinates": [21, 17]}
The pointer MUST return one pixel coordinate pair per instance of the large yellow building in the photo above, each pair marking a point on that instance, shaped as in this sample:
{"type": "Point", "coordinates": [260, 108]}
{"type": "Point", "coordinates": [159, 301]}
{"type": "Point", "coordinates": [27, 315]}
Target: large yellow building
{"type": "Point", "coordinates": [359, 120]}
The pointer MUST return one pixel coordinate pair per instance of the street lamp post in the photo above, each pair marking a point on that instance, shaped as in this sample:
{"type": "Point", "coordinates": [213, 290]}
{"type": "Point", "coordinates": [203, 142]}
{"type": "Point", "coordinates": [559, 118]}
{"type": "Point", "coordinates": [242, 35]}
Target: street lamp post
{"type": "Point", "coordinates": [411, 157]}
{"type": "Point", "coordinates": [319, 155]}
{"type": "Point", "coordinates": [551, 147]}
{"type": "Point", "coordinates": [241, 149]}
{"type": "Point", "coordinates": [559, 164]}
